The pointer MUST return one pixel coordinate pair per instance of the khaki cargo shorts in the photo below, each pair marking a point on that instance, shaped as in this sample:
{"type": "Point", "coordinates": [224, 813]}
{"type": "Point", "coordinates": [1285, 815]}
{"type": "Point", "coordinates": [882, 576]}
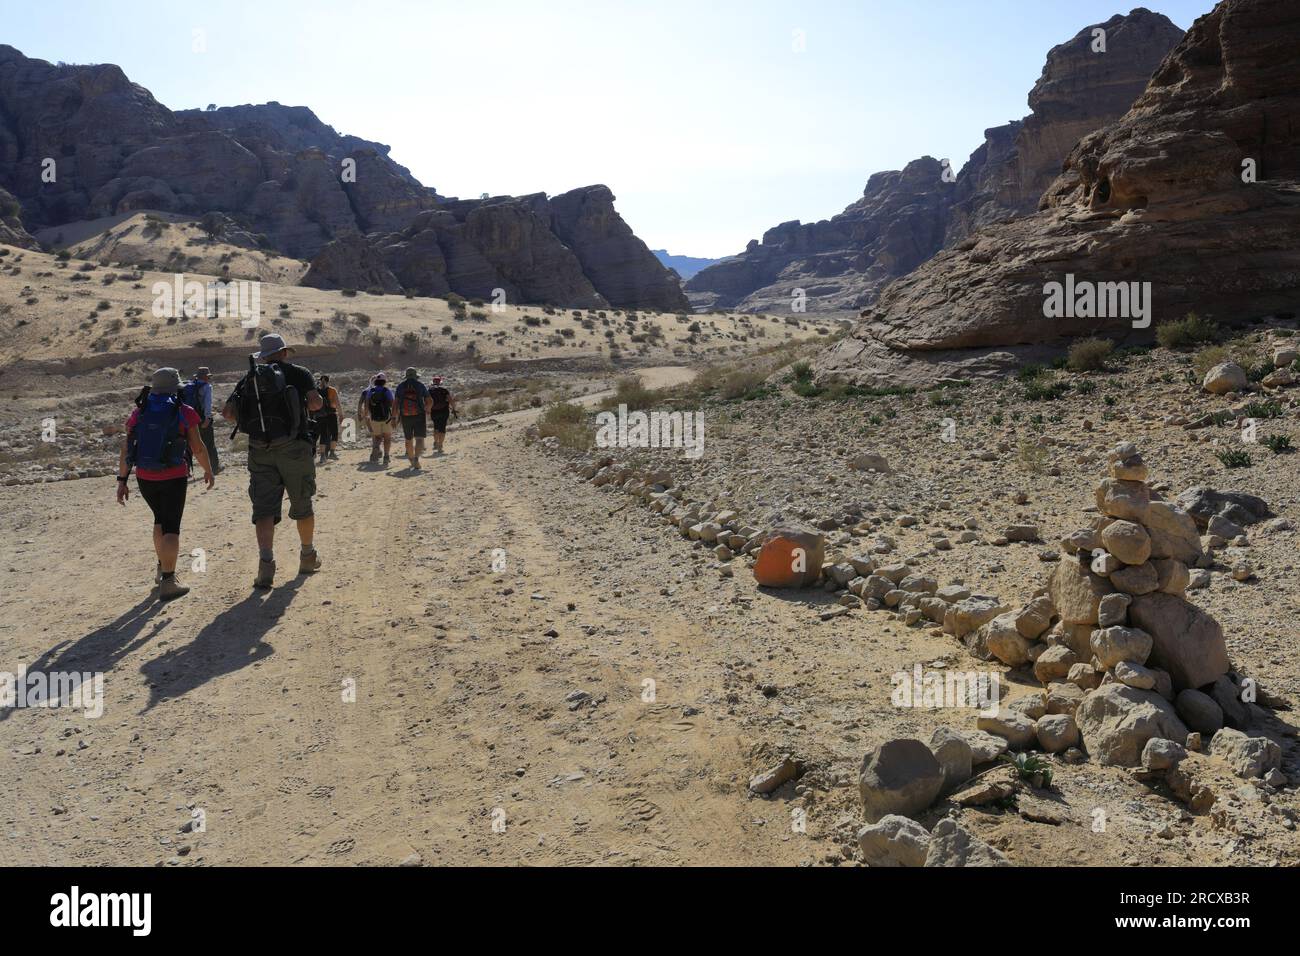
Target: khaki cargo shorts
{"type": "Point", "coordinates": [380, 429]}
{"type": "Point", "coordinates": [287, 466]}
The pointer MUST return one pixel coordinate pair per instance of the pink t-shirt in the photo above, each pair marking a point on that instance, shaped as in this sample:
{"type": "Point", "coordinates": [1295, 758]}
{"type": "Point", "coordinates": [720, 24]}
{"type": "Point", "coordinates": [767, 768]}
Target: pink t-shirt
{"type": "Point", "coordinates": [189, 419]}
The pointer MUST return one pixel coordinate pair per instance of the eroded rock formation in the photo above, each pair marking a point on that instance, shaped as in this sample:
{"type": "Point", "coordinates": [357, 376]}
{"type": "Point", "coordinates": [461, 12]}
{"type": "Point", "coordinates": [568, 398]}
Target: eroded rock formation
{"type": "Point", "coordinates": [905, 218]}
{"type": "Point", "coordinates": [1196, 190]}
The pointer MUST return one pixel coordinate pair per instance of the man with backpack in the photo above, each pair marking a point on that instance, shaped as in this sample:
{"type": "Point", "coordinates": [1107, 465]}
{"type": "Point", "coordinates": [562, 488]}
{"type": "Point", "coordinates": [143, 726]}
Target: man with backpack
{"type": "Point", "coordinates": [271, 405]}
{"type": "Point", "coordinates": [197, 394]}
{"type": "Point", "coordinates": [376, 410]}
{"type": "Point", "coordinates": [412, 401]}
{"type": "Point", "coordinates": [327, 420]}
{"type": "Point", "coordinates": [441, 404]}
{"type": "Point", "coordinates": [160, 430]}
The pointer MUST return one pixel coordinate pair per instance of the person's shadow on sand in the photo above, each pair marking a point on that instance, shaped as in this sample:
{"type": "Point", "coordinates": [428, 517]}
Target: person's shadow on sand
{"type": "Point", "coordinates": [100, 651]}
{"type": "Point", "coordinates": [231, 641]}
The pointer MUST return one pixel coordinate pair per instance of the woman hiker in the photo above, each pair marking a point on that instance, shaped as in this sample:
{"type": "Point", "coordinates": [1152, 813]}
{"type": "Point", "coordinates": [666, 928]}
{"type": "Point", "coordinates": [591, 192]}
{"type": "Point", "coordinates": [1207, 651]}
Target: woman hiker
{"type": "Point", "coordinates": [158, 432]}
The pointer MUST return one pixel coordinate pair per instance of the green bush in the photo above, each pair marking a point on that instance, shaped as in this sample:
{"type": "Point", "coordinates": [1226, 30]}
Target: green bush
{"type": "Point", "coordinates": [1187, 332]}
{"type": "Point", "coordinates": [1278, 444]}
{"type": "Point", "coordinates": [1089, 355]}
{"type": "Point", "coordinates": [1235, 458]}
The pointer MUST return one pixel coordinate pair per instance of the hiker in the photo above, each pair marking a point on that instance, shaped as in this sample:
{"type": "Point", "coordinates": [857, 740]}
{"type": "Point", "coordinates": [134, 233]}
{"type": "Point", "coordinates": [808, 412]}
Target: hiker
{"type": "Point", "coordinates": [376, 410]}
{"type": "Point", "coordinates": [412, 405]}
{"type": "Point", "coordinates": [270, 405]}
{"type": "Point", "coordinates": [158, 432]}
{"type": "Point", "coordinates": [327, 419]}
{"type": "Point", "coordinates": [197, 394]}
{"type": "Point", "coordinates": [441, 404]}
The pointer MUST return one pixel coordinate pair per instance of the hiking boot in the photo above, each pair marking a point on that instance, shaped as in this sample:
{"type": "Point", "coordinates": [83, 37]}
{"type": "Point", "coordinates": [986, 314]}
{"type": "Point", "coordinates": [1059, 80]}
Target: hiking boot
{"type": "Point", "coordinates": [309, 562]}
{"type": "Point", "coordinates": [374, 457]}
{"type": "Point", "coordinates": [334, 455]}
{"type": "Point", "coordinates": [265, 574]}
{"type": "Point", "coordinates": [169, 589]}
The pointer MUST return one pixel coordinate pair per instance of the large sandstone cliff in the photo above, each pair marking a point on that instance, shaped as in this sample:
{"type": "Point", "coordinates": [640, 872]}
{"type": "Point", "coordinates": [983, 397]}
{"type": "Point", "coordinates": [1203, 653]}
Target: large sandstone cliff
{"type": "Point", "coordinates": [311, 192]}
{"type": "Point", "coordinates": [905, 218]}
{"type": "Point", "coordinates": [1162, 196]}
{"type": "Point", "coordinates": [573, 249]}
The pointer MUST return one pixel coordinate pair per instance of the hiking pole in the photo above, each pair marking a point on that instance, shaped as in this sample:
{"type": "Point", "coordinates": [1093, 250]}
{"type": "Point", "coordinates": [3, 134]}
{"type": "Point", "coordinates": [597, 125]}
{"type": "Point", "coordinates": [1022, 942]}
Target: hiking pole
{"type": "Point", "coordinates": [257, 390]}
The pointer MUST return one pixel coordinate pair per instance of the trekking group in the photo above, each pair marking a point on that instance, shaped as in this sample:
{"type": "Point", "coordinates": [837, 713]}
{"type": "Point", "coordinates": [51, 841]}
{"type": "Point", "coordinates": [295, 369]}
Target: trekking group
{"type": "Point", "coordinates": [289, 417]}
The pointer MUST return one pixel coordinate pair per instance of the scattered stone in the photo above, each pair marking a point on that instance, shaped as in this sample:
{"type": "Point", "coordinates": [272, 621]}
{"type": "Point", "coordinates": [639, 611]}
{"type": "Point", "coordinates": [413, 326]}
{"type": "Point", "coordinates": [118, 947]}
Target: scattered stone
{"type": "Point", "coordinates": [1199, 711]}
{"type": "Point", "coordinates": [1127, 541]}
{"type": "Point", "coordinates": [776, 777]}
{"type": "Point", "coordinates": [1224, 378]}
{"type": "Point", "coordinates": [1114, 644]}
{"type": "Point", "coordinates": [1186, 642]}
{"type": "Point", "coordinates": [954, 754]}
{"type": "Point", "coordinates": [1116, 721]}
{"type": "Point", "coordinates": [1056, 732]}
{"type": "Point", "coordinates": [1015, 728]}
{"type": "Point", "coordinates": [1054, 663]}
{"type": "Point", "coordinates": [790, 558]}
{"type": "Point", "coordinates": [894, 841]}
{"type": "Point", "coordinates": [950, 845]}
{"type": "Point", "coordinates": [1161, 754]}
{"type": "Point", "coordinates": [1136, 580]}
{"type": "Point", "coordinates": [901, 776]}
{"type": "Point", "coordinates": [1249, 757]}
{"type": "Point", "coordinates": [1135, 675]}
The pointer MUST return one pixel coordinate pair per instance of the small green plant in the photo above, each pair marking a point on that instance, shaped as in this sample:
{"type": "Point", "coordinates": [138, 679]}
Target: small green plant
{"type": "Point", "coordinates": [1030, 371]}
{"type": "Point", "coordinates": [1234, 458]}
{"type": "Point", "coordinates": [1037, 391]}
{"type": "Point", "coordinates": [1278, 444]}
{"type": "Point", "coordinates": [1263, 410]}
{"type": "Point", "coordinates": [1029, 767]}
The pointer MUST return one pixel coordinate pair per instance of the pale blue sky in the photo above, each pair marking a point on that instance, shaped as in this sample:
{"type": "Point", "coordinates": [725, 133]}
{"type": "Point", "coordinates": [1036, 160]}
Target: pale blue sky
{"type": "Point", "coordinates": [700, 114]}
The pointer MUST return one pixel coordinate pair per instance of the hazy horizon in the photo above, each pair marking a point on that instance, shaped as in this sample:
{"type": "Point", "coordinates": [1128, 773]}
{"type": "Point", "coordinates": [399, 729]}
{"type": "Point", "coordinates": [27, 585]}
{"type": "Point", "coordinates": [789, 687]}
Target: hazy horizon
{"type": "Point", "coordinates": [710, 125]}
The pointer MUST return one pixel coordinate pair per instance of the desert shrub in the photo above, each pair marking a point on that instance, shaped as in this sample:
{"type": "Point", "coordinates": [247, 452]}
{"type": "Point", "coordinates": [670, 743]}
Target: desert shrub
{"type": "Point", "coordinates": [1186, 332]}
{"type": "Point", "coordinates": [567, 423]}
{"type": "Point", "coordinates": [1032, 457]}
{"type": "Point", "coordinates": [1037, 391]}
{"type": "Point", "coordinates": [1277, 444]}
{"type": "Point", "coordinates": [1263, 410]}
{"type": "Point", "coordinates": [1234, 458]}
{"type": "Point", "coordinates": [1089, 355]}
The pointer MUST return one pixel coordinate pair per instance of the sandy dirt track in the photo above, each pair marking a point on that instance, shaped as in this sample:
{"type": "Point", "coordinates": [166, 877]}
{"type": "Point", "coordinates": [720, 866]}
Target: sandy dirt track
{"type": "Point", "coordinates": [231, 702]}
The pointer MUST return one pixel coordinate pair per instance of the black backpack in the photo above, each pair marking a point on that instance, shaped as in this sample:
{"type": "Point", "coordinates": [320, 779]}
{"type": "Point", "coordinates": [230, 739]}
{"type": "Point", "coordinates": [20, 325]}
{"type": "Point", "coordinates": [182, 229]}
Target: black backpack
{"type": "Point", "coordinates": [268, 407]}
{"type": "Point", "coordinates": [378, 405]}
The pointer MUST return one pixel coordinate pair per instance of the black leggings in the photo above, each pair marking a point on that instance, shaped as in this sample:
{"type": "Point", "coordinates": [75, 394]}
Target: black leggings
{"type": "Point", "coordinates": [167, 501]}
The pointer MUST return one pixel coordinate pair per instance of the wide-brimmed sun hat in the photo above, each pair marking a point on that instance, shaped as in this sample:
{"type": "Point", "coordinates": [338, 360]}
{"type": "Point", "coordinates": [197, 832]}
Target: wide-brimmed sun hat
{"type": "Point", "coordinates": [165, 381]}
{"type": "Point", "coordinates": [271, 344]}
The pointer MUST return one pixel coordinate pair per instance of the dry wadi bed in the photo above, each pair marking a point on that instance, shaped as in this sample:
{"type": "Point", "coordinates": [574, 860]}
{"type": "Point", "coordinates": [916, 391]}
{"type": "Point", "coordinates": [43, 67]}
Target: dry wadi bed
{"type": "Point", "coordinates": [944, 507]}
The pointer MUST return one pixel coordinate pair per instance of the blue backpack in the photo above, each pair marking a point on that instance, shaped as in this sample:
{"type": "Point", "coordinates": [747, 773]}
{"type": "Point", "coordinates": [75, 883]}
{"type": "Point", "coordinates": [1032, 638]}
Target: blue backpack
{"type": "Point", "coordinates": [190, 392]}
{"type": "Point", "coordinates": [156, 443]}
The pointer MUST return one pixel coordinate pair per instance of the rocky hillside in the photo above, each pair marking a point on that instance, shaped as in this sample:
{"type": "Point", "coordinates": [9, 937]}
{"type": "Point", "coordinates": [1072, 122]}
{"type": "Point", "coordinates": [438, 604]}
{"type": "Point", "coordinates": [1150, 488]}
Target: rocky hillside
{"type": "Point", "coordinates": [1079, 92]}
{"type": "Point", "coordinates": [905, 218]}
{"type": "Point", "coordinates": [1196, 191]}
{"type": "Point", "coordinates": [573, 249]}
{"type": "Point", "coordinates": [284, 175]}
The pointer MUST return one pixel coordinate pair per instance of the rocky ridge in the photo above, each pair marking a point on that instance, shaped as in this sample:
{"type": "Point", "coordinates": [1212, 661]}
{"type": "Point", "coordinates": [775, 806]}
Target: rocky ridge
{"type": "Point", "coordinates": [1195, 192]}
{"type": "Point", "coordinates": [906, 217]}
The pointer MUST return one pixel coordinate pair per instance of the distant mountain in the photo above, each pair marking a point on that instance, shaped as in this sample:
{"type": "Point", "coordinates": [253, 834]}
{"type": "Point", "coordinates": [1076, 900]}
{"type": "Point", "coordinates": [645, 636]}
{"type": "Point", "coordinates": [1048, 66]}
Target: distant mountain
{"type": "Point", "coordinates": [685, 266]}
{"type": "Point", "coordinates": [303, 189]}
